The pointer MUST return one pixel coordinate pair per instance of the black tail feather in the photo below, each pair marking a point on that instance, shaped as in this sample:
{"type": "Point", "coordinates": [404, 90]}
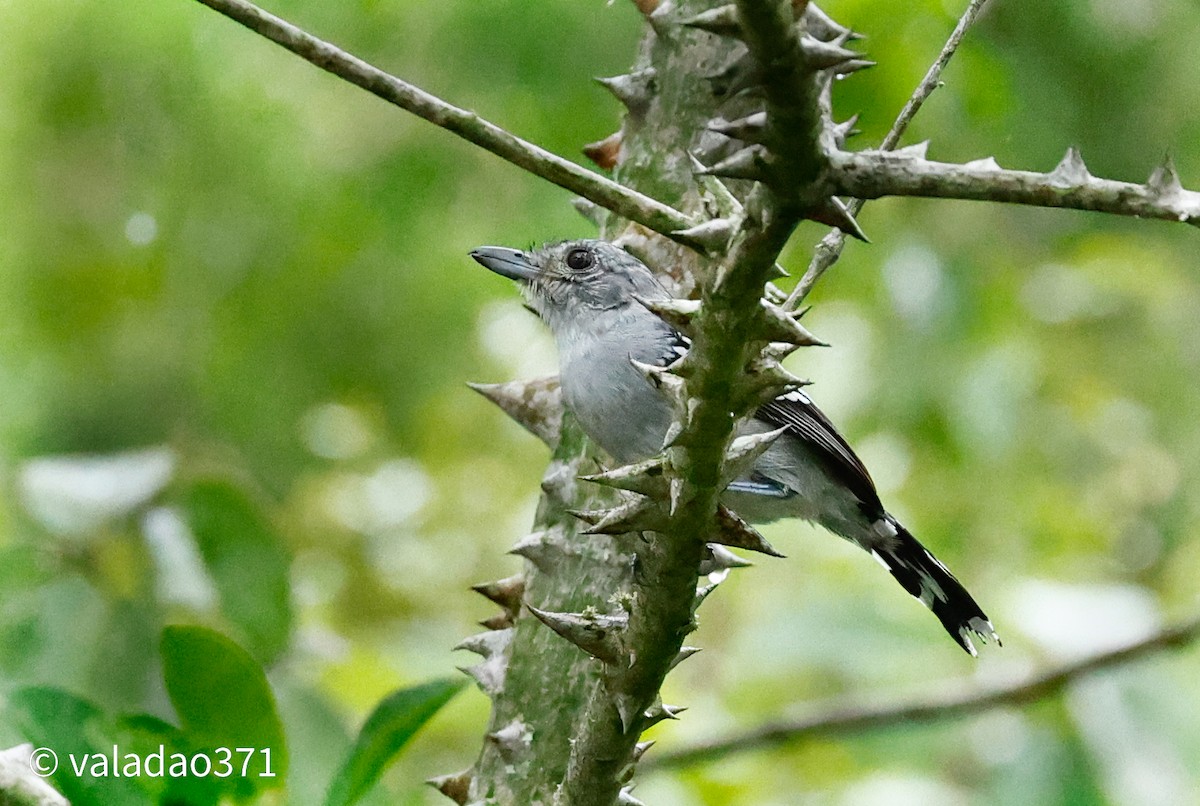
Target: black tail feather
{"type": "Point", "coordinates": [924, 576]}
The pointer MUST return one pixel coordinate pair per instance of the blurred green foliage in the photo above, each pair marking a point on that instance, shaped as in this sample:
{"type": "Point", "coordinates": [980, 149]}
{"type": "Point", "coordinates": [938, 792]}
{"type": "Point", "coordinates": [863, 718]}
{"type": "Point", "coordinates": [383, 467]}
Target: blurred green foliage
{"type": "Point", "coordinates": [236, 318]}
{"type": "Point", "coordinates": [223, 700]}
{"type": "Point", "coordinates": [229, 746]}
{"type": "Point", "coordinates": [229, 743]}
{"type": "Point", "coordinates": [387, 730]}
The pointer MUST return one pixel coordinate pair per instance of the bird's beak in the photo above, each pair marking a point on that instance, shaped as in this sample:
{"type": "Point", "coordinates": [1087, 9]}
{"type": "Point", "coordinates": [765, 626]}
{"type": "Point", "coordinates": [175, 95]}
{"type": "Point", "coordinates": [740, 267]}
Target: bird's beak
{"type": "Point", "coordinates": [508, 263]}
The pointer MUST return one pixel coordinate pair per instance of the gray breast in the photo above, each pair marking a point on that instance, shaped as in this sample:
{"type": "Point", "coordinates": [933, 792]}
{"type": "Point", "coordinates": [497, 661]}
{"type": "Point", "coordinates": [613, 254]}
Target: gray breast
{"type": "Point", "coordinates": [615, 404]}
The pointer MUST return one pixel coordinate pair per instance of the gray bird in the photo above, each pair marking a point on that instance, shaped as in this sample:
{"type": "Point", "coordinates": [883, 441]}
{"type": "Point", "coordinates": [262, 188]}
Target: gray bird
{"type": "Point", "coordinates": [585, 292]}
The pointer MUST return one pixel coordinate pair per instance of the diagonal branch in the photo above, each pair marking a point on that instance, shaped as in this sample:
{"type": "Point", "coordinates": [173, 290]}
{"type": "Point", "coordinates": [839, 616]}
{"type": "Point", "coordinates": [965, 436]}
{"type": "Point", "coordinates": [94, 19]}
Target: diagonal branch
{"type": "Point", "coordinates": [930, 708]}
{"type": "Point", "coordinates": [933, 75]}
{"type": "Point", "coordinates": [829, 249]}
{"type": "Point", "coordinates": [592, 186]}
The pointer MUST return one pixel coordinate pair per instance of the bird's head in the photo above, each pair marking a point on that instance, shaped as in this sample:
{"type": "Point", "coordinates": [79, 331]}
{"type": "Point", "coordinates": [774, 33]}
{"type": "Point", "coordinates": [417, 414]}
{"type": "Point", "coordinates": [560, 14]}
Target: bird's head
{"type": "Point", "coordinates": [574, 281]}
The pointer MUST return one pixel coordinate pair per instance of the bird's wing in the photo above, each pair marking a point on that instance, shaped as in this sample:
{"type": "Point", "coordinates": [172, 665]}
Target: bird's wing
{"type": "Point", "coordinates": [806, 422]}
{"type": "Point", "coordinates": [676, 349]}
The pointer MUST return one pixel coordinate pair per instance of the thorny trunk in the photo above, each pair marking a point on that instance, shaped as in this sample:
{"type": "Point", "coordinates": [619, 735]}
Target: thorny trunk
{"type": "Point", "coordinates": [540, 684]}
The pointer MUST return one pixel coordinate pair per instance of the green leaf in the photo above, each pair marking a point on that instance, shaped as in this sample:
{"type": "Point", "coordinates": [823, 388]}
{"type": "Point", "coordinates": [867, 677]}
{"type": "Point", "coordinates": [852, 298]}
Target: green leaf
{"type": "Point", "coordinates": [389, 727]}
{"type": "Point", "coordinates": [248, 562]}
{"type": "Point", "coordinates": [158, 746]}
{"type": "Point", "coordinates": [224, 701]}
{"type": "Point", "coordinates": [77, 733]}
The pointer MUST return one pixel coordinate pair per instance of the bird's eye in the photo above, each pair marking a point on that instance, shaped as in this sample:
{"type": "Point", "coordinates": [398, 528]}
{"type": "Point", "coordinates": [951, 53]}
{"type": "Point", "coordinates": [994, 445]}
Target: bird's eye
{"type": "Point", "coordinates": [580, 259]}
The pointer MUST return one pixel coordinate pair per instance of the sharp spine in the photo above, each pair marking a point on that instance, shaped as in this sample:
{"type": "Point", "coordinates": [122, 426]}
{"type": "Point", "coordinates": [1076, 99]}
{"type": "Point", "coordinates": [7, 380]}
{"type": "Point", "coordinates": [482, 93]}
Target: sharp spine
{"type": "Point", "coordinates": [773, 351]}
{"type": "Point", "coordinates": [685, 652]}
{"type": "Point", "coordinates": [712, 236]}
{"type": "Point", "coordinates": [749, 163]}
{"type": "Point", "coordinates": [590, 210]}
{"type": "Point", "coordinates": [626, 798]}
{"type": "Point", "coordinates": [455, 786]}
{"type": "Point", "coordinates": [914, 151]}
{"type": "Point", "coordinates": [638, 515]}
{"type": "Point", "coordinates": [749, 129]}
{"type": "Point", "coordinates": [852, 66]}
{"type": "Point", "coordinates": [821, 55]}
{"type": "Point", "coordinates": [722, 21]}
{"type": "Point", "coordinates": [659, 711]}
{"type": "Point", "coordinates": [1070, 171]}
{"type": "Point", "coordinates": [836, 214]}
{"type": "Point", "coordinates": [512, 739]}
{"type": "Point", "coordinates": [489, 675]}
{"type": "Point", "coordinates": [1164, 181]}
{"type": "Point", "coordinates": [500, 621]}
{"type": "Point", "coordinates": [634, 90]}
{"type": "Point", "coordinates": [780, 326]}
{"type": "Point", "coordinates": [744, 451]}
{"type": "Point", "coordinates": [845, 130]}
{"type": "Point", "coordinates": [665, 381]}
{"type": "Point", "coordinates": [702, 593]}
{"type": "Point", "coordinates": [675, 494]}
{"type": "Point", "coordinates": [646, 478]}
{"type": "Point", "coordinates": [678, 313]}
{"type": "Point", "coordinates": [985, 164]}
{"type": "Point", "coordinates": [535, 405]}
{"type": "Point", "coordinates": [596, 634]}
{"type": "Point", "coordinates": [822, 26]}
{"type": "Point", "coordinates": [605, 153]}
{"type": "Point", "coordinates": [661, 19]}
{"type": "Point", "coordinates": [506, 592]}
{"type": "Point", "coordinates": [540, 548]}
{"type": "Point", "coordinates": [766, 379]}
{"type": "Point", "coordinates": [628, 709]}
{"type": "Point", "coordinates": [733, 531]}
{"type": "Point", "coordinates": [719, 559]}
{"type": "Point", "coordinates": [487, 644]}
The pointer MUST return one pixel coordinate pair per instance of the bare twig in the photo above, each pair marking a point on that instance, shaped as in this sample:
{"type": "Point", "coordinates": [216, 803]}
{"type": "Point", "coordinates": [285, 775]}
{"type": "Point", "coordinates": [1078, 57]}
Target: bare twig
{"type": "Point", "coordinates": [603, 191]}
{"type": "Point", "coordinates": [933, 707]}
{"type": "Point", "coordinates": [829, 249]}
{"type": "Point", "coordinates": [933, 75]}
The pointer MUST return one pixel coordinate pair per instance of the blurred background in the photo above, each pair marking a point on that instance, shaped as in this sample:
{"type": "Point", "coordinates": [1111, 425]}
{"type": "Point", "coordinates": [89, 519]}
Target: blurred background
{"type": "Point", "coordinates": [237, 318]}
